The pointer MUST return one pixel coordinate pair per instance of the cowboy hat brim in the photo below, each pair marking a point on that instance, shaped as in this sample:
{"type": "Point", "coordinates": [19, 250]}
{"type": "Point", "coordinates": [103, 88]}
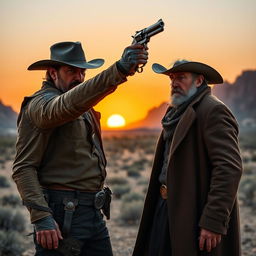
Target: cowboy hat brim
{"type": "Point", "coordinates": [211, 75]}
{"type": "Point", "coordinates": [44, 64]}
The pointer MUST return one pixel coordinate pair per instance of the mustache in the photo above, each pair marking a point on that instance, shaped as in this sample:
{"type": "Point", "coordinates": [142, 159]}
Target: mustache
{"type": "Point", "coordinates": [177, 90]}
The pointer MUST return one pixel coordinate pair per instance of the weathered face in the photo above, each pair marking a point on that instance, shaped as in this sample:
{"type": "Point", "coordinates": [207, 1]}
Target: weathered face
{"type": "Point", "coordinates": [183, 86]}
{"type": "Point", "coordinates": [67, 77]}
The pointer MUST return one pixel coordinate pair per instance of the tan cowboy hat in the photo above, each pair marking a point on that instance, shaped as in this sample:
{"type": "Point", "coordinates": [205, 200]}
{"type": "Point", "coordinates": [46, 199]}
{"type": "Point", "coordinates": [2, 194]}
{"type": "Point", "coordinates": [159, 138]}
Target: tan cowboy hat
{"type": "Point", "coordinates": [211, 75]}
{"type": "Point", "coordinates": [66, 53]}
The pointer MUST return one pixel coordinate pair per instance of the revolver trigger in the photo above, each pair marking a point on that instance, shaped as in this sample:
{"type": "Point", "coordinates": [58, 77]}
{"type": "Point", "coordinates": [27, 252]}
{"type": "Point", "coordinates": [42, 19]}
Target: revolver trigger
{"type": "Point", "coordinates": [139, 69]}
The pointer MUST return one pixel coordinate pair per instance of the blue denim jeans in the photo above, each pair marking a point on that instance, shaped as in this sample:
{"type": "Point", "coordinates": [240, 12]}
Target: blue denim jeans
{"type": "Point", "coordinates": [87, 224]}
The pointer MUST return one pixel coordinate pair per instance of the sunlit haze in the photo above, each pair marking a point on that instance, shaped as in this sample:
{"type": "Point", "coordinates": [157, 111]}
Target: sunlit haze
{"type": "Point", "coordinates": [220, 33]}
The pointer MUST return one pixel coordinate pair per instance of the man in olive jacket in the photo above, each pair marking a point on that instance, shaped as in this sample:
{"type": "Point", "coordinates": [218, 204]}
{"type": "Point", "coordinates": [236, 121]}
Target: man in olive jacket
{"type": "Point", "coordinates": [60, 164]}
{"type": "Point", "coordinates": [191, 205]}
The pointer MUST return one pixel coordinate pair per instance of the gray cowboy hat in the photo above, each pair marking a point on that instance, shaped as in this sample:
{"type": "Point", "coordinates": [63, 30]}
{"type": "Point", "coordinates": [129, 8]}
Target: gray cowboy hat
{"type": "Point", "coordinates": [66, 53]}
{"type": "Point", "coordinates": [211, 75]}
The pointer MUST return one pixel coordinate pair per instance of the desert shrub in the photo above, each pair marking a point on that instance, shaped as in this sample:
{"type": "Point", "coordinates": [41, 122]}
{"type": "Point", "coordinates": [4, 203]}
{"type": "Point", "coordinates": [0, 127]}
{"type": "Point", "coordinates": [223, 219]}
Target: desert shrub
{"type": "Point", "coordinates": [11, 243]}
{"type": "Point", "coordinates": [247, 139]}
{"type": "Point", "coordinates": [4, 183]}
{"type": "Point", "coordinates": [136, 165]}
{"type": "Point", "coordinates": [248, 169]}
{"type": "Point", "coordinates": [11, 220]}
{"type": "Point", "coordinates": [114, 156]}
{"type": "Point", "coordinates": [246, 159]}
{"type": "Point", "coordinates": [132, 196]}
{"type": "Point", "coordinates": [145, 189]}
{"type": "Point", "coordinates": [7, 142]}
{"type": "Point", "coordinates": [11, 200]}
{"type": "Point", "coordinates": [150, 150]}
{"type": "Point", "coordinates": [130, 212]}
{"type": "Point", "coordinates": [247, 192]}
{"type": "Point", "coordinates": [133, 173]}
{"type": "Point", "coordinates": [117, 180]}
{"type": "Point", "coordinates": [140, 163]}
{"type": "Point", "coordinates": [120, 190]}
{"type": "Point", "coordinates": [8, 157]}
{"type": "Point", "coordinates": [254, 157]}
{"type": "Point", "coordinates": [125, 160]}
{"type": "Point", "coordinates": [142, 181]}
{"type": "Point", "coordinates": [131, 142]}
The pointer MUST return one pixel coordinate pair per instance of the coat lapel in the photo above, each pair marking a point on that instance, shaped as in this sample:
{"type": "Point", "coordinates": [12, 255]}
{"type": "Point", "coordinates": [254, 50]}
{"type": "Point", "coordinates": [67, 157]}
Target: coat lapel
{"type": "Point", "coordinates": [182, 128]}
{"type": "Point", "coordinates": [185, 123]}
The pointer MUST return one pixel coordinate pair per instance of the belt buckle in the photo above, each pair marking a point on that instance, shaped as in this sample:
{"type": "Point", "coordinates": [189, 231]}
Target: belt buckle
{"type": "Point", "coordinates": [70, 204]}
{"type": "Point", "coordinates": [163, 191]}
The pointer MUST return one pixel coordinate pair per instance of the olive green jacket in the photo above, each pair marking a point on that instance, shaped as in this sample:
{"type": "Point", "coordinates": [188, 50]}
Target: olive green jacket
{"type": "Point", "coordinates": [56, 140]}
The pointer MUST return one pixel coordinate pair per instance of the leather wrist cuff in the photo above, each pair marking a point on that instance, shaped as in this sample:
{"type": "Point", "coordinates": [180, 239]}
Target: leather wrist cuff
{"type": "Point", "coordinates": [46, 223]}
{"type": "Point", "coordinates": [37, 207]}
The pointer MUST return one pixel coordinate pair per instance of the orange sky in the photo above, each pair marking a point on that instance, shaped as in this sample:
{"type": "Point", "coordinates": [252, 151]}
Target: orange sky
{"type": "Point", "coordinates": [221, 33]}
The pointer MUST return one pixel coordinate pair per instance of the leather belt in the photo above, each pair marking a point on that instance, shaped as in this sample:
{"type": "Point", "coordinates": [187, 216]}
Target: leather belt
{"type": "Point", "coordinates": [71, 199]}
{"type": "Point", "coordinates": [62, 187]}
{"type": "Point", "coordinates": [163, 191]}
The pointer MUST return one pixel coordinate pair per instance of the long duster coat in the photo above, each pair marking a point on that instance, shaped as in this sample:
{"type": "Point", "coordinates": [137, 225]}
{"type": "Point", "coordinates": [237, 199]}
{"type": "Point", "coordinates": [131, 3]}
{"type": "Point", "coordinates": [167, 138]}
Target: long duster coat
{"type": "Point", "coordinates": [204, 169]}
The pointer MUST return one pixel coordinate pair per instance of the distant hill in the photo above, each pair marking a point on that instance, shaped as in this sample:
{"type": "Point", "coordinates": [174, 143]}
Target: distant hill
{"type": "Point", "coordinates": [152, 120]}
{"type": "Point", "coordinates": [8, 119]}
{"type": "Point", "coordinates": [240, 97]}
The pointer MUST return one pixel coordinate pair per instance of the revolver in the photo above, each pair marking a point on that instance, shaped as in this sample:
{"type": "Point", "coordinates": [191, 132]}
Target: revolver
{"type": "Point", "coordinates": [143, 36]}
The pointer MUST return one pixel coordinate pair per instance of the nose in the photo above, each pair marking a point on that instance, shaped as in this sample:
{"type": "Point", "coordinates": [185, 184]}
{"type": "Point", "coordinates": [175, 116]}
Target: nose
{"type": "Point", "coordinates": [173, 83]}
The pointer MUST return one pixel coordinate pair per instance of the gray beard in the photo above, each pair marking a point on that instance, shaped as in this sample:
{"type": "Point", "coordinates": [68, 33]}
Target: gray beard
{"type": "Point", "coordinates": [177, 100]}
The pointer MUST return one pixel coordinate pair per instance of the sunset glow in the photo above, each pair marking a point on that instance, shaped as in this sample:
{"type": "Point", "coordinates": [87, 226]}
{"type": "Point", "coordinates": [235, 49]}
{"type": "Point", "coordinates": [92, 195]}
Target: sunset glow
{"type": "Point", "coordinates": [218, 33]}
{"type": "Point", "coordinates": [115, 121]}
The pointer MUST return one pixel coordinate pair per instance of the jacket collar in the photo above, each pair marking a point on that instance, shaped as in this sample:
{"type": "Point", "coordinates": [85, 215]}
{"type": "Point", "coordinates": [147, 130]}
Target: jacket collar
{"type": "Point", "coordinates": [49, 85]}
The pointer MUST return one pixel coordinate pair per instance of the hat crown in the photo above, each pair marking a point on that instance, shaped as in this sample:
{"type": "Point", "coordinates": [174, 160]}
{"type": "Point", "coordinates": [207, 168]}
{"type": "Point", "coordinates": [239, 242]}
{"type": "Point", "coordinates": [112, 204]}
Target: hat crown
{"type": "Point", "coordinates": [211, 75]}
{"type": "Point", "coordinates": [179, 62]}
{"type": "Point", "coordinates": [67, 51]}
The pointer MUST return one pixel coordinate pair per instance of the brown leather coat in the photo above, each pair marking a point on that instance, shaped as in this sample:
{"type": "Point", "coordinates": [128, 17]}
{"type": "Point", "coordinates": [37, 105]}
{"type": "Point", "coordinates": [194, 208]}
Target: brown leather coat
{"type": "Point", "coordinates": [204, 170]}
{"type": "Point", "coordinates": [54, 145]}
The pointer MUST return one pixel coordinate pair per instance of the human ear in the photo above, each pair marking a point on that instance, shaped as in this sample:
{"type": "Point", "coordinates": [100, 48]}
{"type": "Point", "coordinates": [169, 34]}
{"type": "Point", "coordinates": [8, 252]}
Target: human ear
{"type": "Point", "coordinates": [199, 80]}
{"type": "Point", "coordinates": [53, 73]}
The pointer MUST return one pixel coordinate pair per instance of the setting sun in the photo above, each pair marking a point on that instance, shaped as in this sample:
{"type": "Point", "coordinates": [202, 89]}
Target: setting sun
{"type": "Point", "coordinates": [115, 121]}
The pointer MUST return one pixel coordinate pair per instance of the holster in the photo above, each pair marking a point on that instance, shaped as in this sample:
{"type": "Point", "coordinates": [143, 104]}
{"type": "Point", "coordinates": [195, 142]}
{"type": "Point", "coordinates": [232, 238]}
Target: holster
{"type": "Point", "coordinates": [102, 201]}
{"type": "Point", "coordinates": [70, 246]}
{"type": "Point", "coordinates": [106, 206]}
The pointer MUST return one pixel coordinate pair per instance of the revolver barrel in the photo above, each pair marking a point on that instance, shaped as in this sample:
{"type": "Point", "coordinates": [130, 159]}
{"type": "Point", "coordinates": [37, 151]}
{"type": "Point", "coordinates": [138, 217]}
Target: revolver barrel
{"type": "Point", "coordinates": [155, 28]}
{"type": "Point", "coordinates": [143, 36]}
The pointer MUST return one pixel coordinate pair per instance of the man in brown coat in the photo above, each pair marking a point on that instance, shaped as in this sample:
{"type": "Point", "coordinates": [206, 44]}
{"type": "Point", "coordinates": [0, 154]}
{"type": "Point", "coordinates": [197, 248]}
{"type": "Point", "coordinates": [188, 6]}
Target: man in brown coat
{"type": "Point", "coordinates": [191, 205]}
{"type": "Point", "coordinates": [60, 164]}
